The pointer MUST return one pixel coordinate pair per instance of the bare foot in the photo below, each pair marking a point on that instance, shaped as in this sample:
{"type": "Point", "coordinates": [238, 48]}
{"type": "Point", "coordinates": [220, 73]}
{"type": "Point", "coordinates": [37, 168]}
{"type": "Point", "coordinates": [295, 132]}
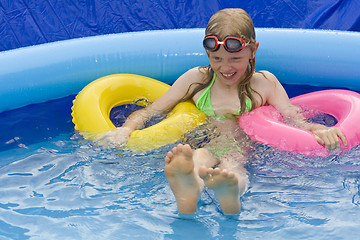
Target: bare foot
{"type": "Point", "coordinates": [179, 171]}
{"type": "Point", "coordinates": [226, 187]}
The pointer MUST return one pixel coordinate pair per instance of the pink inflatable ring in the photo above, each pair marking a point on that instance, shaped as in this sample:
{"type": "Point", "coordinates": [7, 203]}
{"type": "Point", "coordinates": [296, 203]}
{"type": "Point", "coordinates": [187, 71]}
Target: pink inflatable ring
{"type": "Point", "coordinates": [265, 124]}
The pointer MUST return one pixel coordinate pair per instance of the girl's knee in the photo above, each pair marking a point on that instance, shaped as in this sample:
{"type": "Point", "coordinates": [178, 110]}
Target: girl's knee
{"type": "Point", "coordinates": [202, 157]}
{"type": "Point", "coordinates": [202, 153]}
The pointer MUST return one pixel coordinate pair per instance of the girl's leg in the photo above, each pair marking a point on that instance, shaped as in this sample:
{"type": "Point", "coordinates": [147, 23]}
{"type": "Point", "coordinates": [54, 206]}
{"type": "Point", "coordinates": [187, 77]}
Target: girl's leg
{"type": "Point", "coordinates": [229, 182]}
{"type": "Point", "coordinates": [182, 172]}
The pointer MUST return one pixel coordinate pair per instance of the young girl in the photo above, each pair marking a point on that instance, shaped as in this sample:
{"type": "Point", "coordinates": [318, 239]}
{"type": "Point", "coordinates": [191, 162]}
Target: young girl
{"type": "Point", "coordinates": [224, 90]}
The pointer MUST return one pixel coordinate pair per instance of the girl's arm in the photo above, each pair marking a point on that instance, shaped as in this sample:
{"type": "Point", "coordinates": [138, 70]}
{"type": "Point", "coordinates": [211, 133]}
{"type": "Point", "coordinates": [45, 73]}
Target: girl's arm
{"type": "Point", "coordinates": [120, 136]}
{"type": "Point", "coordinates": [274, 94]}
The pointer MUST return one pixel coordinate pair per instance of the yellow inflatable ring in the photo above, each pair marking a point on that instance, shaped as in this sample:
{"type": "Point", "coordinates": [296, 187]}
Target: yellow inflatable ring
{"type": "Point", "coordinates": [91, 109]}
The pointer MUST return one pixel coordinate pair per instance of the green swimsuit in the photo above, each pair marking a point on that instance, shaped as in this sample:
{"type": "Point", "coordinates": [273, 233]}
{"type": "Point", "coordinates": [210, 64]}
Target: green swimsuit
{"type": "Point", "coordinates": [204, 103]}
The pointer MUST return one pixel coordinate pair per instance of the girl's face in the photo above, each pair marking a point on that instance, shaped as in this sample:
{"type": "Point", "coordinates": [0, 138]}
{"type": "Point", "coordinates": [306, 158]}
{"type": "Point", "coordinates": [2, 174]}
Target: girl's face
{"type": "Point", "coordinates": [229, 67]}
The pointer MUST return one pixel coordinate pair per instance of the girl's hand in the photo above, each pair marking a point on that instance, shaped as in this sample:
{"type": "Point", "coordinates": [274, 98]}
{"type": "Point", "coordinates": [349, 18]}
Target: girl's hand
{"type": "Point", "coordinates": [115, 138]}
{"type": "Point", "coordinates": [329, 136]}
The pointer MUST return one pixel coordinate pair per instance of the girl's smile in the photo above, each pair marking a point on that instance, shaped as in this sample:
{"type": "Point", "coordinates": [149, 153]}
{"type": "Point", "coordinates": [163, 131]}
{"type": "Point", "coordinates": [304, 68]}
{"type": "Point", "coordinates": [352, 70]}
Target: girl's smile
{"type": "Point", "coordinates": [230, 67]}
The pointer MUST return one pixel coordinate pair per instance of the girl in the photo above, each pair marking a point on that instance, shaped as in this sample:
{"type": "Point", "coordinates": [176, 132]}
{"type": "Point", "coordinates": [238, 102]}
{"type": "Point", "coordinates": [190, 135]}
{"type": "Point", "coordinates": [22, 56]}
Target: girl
{"type": "Point", "coordinates": [224, 90]}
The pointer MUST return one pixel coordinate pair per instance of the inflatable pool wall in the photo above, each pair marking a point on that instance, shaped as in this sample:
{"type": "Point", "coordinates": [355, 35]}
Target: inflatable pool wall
{"type": "Point", "coordinates": [50, 71]}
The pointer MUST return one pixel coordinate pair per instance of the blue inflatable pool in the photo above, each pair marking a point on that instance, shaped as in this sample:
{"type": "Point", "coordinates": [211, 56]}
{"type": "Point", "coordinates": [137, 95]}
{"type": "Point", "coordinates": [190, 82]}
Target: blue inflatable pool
{"type": "Point", "coordinates": [54, 70]}
{"type": "Point", "coordinates": [58, 186]}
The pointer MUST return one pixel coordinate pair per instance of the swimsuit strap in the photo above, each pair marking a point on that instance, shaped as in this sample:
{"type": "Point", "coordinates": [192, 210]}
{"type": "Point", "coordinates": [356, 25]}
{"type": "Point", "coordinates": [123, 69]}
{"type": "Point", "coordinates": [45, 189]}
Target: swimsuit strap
{"type": "Point", "coordinates": [247, 108]}
{"type": "Point", "coordinates": [203, 103]}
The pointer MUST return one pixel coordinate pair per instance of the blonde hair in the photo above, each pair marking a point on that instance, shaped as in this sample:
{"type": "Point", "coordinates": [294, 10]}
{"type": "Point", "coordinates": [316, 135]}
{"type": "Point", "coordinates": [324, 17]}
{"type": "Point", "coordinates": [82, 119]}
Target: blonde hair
{"type": "Point", "coordinates": [237, 22]}
{"type": "Point", "coordinates": [231, 21]}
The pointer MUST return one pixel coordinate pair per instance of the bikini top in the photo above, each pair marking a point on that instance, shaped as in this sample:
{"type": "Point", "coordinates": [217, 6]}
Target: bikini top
{"type": "Point", "coordinates": [203, 103]}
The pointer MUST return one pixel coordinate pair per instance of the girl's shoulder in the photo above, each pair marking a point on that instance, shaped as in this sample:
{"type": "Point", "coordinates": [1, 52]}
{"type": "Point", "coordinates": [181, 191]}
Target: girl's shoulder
{"type": "Point", "coordinates": [190, 77]}
{"type": "Point", "coordinates": [263, 75]}
{"type": "Point", "coordinates": [269, 87]}
{"type": "Point", "coordinates": [196, 74]}
{"type": "Point", "coordinates": [186, 83]}
{"type": "Point", "coordinates": [263, 79]}
{"type": "Point", "coordinates": [265, 84]}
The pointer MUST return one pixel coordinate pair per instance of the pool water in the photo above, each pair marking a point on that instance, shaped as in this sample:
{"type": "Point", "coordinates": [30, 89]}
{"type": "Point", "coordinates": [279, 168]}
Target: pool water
{"type": "Point", "coordinates": [55, 185]}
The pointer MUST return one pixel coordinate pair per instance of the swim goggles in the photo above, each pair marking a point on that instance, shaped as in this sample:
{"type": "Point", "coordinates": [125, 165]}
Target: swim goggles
{"type": "Point", "coordinates": [231, 43]}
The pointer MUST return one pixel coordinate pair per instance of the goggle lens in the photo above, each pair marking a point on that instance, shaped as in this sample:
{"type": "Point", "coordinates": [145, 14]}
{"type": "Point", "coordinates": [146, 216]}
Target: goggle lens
{"type": "Point", "coordinates": [210, 43]}
{"type": "Point", "coordinates": [233, 44]}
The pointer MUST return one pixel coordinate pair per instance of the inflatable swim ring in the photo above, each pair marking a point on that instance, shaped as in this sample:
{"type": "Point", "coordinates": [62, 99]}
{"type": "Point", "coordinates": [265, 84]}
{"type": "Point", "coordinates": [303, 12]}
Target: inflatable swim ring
{"type": "Point", "coordinates": [265, 124]}
{"type": "Point", "coordinates": [92, 106]}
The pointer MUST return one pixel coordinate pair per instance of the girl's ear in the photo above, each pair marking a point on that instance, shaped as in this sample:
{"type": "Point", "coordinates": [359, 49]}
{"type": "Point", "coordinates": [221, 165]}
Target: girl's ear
{"type": "Point", "coordinates": [255, 49]}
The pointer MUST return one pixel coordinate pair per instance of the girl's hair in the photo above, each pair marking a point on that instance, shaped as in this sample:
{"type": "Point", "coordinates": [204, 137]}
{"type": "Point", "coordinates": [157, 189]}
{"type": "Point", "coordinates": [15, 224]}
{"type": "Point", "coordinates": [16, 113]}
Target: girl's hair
{"type": "Point", "coordinates": [231, 21]}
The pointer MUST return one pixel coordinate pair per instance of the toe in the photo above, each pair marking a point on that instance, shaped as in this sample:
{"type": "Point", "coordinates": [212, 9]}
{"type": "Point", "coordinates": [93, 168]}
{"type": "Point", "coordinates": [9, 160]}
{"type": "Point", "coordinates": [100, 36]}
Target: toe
{"type": "Point", "coordinates": [170, 155]}
{"type": "Point", "coordinates": [203, 172]}
{"type": "Point", "coordinates": [216, 171]}
{"type": "Point", "coordinates": [230, 175]}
